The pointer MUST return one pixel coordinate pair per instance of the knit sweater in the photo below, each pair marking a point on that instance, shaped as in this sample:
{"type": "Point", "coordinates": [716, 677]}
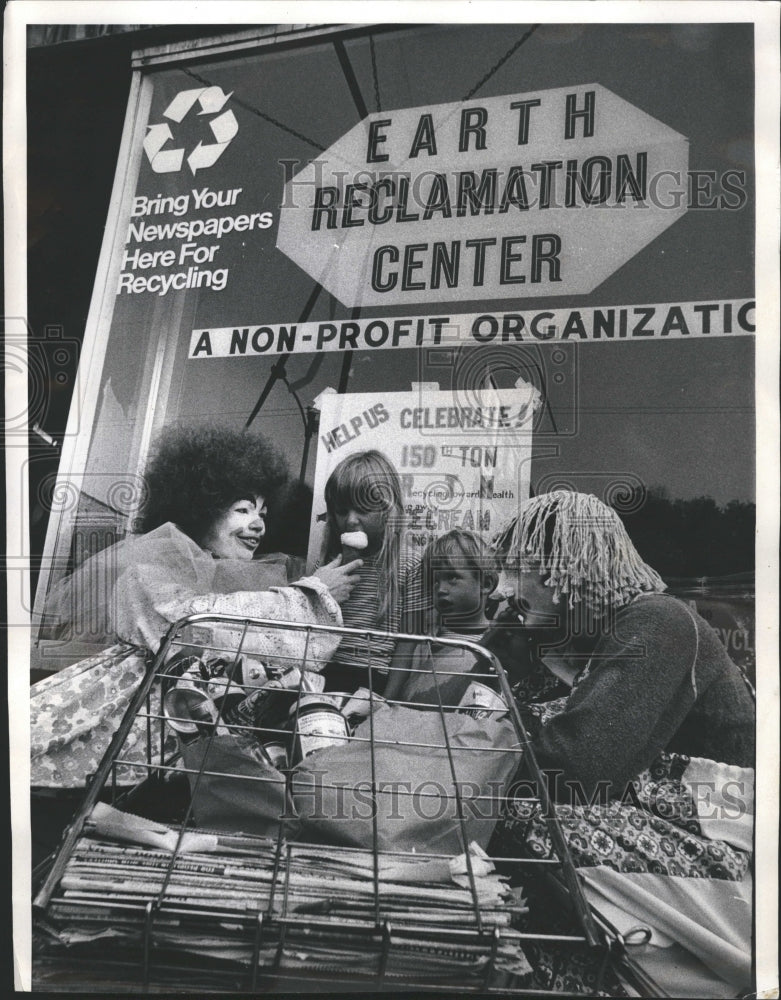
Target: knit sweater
{"type": "Point", "coordinates": [659, 680]}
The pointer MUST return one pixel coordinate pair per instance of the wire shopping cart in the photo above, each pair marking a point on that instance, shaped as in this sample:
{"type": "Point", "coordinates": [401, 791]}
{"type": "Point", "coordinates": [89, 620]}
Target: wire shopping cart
{"type": "Point", "coordinates": [216, 864]}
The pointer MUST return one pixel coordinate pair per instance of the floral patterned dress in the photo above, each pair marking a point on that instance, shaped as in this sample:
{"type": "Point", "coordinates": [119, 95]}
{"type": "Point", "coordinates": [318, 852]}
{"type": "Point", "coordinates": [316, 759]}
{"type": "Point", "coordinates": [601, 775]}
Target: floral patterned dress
{"type": "Point", "coordinates": [131, 594]}
{"type": "Point", "coordinates": [673, 855]}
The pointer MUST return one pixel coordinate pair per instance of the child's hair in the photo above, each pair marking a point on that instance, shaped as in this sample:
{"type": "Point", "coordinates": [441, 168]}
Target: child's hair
{"type": "Point", "coordinates": [367, 481]}
{"type": "Point", "coordinates": [460, 549]}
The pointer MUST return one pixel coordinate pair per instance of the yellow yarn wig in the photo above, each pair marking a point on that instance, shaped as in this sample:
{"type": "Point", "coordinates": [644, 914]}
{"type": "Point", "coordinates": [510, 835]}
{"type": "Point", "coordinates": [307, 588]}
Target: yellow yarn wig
{"type": "Point", "coordinates": [581, 546]}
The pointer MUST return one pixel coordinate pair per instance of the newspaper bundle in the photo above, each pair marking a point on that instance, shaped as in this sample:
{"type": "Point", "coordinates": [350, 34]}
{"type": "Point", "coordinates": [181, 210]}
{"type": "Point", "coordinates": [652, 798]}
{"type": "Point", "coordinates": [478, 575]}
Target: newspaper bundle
{"type": "Point", "coordinates": [324, 910]}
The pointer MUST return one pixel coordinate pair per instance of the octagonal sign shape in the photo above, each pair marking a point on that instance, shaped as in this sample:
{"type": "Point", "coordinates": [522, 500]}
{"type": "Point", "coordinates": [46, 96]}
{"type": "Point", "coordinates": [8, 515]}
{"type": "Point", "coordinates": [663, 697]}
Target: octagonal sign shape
{"type": "Point", "coordinates": [526, 195]}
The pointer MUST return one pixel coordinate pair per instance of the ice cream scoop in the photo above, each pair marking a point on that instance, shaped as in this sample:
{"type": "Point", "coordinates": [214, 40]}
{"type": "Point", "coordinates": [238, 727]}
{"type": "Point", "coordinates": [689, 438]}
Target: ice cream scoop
{"type": "Point", "coordinates": [357, 540]}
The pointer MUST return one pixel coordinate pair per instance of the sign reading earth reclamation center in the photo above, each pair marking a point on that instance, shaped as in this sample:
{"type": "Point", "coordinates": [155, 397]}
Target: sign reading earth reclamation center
{"type": "Point", "coordinates": [526, 195]}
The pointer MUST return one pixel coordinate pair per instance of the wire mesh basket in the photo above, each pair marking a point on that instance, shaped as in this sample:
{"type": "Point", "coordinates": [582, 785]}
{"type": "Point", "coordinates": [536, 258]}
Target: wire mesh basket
{"type": "Point", "coordinates": [273, 835]}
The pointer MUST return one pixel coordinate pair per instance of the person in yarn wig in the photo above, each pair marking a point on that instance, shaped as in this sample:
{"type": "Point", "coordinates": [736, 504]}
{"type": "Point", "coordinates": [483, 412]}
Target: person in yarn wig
{"type": "Point", "coordinates": [652, 675]}
{"type": "Point", "coordinates": [653, 711]}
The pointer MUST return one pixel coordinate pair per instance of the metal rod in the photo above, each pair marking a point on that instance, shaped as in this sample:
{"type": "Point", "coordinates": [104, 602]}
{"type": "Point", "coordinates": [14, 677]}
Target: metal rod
{"type": "Point", "coordinates": [278, 368]}
{"type": "Point", "coordinates": [372, 748]}
{"type": "Point", "coordinates": [283, 920]}
{"type": "Point", "coordinates": [148, 918]}
{"type": "Point", "coordinates": [489, 971]}
{"type": "Point", "coordinates": [569, 874]}
{"type": "Point", "coordinates": [74, 830]}
{"type": "Point", "coordinates": [459, 804]}
{"type": "Point", "coordinates": [349, 75]}
{"type": "Point", "coordinates": [275, 869]}
{"type": "Point", "coordinates": [256, 953]}
{"type": "Point", "coordinates": [385, 954]}
{"type": "Point", "coordinates": [158, 902]}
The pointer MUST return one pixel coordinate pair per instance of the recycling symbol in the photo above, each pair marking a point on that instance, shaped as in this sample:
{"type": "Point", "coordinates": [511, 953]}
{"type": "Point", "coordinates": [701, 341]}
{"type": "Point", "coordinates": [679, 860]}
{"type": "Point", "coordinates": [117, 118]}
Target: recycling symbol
{"type": "Point", "coordinates": [224, 128]}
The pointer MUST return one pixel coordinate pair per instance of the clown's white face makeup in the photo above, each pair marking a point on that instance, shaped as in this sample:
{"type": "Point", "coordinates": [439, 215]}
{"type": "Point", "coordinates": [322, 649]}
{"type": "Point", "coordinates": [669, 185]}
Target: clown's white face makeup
{"type": "Point", "coordinates": [237, 532]}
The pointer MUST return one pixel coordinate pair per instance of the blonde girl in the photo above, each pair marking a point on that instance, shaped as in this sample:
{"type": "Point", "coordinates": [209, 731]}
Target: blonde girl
{"type": "Point", "coordinates": [363, 494]}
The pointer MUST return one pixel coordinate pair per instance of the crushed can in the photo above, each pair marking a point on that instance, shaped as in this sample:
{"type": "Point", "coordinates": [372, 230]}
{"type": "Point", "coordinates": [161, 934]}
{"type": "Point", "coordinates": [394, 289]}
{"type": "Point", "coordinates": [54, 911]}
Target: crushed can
{"type": "Point", "coordinates": [481, 701]}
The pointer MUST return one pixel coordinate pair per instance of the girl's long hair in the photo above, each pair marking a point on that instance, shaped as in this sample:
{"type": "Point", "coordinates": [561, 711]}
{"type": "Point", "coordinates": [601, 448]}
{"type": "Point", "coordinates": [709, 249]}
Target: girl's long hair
{"type": "Point", "coordinates": [367, 481]}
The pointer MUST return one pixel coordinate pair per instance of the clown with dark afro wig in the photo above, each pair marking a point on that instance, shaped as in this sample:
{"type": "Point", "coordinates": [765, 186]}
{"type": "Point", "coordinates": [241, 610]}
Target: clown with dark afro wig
{"type": "Point", "coordinates": [196, 473]}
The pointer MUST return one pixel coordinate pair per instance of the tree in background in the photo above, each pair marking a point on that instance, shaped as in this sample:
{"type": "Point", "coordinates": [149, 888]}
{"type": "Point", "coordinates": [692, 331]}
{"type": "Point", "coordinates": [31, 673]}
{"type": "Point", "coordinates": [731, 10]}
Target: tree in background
{"type": "Point", "coordinates": [693, 538]}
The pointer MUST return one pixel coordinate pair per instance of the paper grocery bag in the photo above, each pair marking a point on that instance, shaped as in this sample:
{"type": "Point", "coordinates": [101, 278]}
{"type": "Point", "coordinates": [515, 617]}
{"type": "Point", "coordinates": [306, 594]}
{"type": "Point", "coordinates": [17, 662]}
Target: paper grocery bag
{"type": "Point", "coordinates": [415, 803]}
{"type": "Point", "coordinates": [236, 793]}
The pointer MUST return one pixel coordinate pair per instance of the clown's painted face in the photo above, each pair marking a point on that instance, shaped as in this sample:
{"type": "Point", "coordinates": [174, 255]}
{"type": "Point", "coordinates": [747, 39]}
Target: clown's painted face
{"type": "Point", "coordinates": [237, 532]}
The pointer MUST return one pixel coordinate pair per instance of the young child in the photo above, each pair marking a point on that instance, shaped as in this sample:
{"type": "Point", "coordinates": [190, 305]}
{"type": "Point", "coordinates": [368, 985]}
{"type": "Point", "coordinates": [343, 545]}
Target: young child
{"type": "Point", "coordinates": [459, 571]}
{"type": "Point", "coordinates": [365, 515]}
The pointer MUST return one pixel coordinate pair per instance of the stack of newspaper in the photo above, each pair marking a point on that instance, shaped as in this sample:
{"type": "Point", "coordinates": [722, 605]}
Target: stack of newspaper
{"type": "Point", "coordinates": [324, 909]}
